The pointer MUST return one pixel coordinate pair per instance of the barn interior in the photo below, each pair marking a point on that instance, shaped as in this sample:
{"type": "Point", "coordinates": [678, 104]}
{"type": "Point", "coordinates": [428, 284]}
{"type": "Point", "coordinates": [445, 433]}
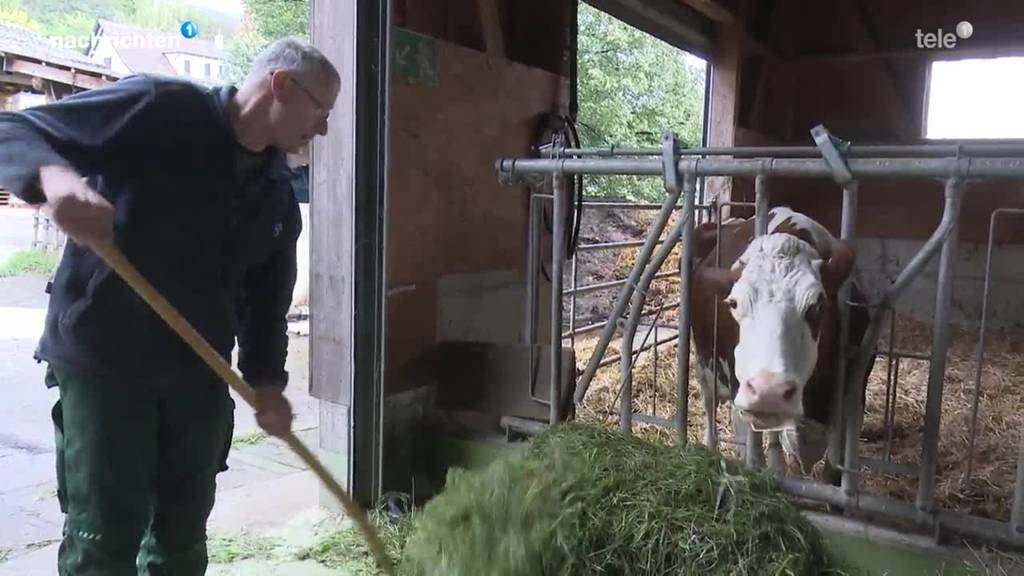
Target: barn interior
{"type": "Point", "coordinates": [422, 354]}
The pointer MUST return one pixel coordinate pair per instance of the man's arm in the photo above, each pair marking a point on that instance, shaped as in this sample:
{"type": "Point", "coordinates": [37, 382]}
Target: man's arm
{"type": "Point", "coordinates": [263, 334]}
{"type": "Point", "coordinates": [263, 337]}
{"type": "Point", "coordinates": [78, 132]}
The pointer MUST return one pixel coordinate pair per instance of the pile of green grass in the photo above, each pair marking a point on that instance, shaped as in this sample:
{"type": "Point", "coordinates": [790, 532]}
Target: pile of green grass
{"type": "Point", "coordinates": [28, 262]}
{"type": "Point", "coordinates": [585, 501]}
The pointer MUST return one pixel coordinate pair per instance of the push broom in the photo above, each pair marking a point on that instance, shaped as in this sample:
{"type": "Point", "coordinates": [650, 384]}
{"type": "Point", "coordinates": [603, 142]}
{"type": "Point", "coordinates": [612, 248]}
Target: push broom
{"type": "Point", "coordinates": [120, 264]}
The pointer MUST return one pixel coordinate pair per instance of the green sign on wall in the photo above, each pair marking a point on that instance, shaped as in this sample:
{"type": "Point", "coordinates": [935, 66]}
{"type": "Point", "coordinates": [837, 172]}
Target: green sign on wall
{"type": "Point", "coordinates": [414, 57]}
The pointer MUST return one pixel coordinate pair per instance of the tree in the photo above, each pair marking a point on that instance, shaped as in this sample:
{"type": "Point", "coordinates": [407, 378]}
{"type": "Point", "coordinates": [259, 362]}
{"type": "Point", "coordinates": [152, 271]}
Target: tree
{"type": "Point", "coordinates": [632, 89]}
{"type": "Point", "coordinates": [264, 22]}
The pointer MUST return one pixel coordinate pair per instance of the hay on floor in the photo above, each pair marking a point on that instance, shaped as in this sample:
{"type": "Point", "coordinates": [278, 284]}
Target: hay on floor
{"type": "Point", "coordinates": [989, 490]}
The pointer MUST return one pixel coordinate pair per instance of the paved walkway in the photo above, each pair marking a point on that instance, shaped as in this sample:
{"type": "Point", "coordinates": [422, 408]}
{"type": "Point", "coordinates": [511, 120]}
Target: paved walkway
{"type": "Point", "coordinates": [266, 486]}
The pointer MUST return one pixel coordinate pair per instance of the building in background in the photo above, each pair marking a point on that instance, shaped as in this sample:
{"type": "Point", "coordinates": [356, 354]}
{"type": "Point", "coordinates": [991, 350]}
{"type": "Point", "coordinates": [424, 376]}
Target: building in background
{"type": "Point", "coordinates": [128, 49]}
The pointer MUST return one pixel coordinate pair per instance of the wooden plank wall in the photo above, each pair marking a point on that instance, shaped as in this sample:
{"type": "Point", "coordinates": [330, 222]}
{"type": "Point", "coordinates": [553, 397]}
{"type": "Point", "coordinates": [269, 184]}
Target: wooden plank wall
{"type": "Point", "coordinates": [447, 212]}
{"type": "Point", "coordinates": [866, 100]}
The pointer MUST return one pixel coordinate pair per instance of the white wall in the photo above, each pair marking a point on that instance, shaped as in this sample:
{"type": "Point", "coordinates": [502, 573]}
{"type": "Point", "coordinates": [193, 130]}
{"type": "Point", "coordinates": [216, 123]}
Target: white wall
{"type": "Point", "coordinates": [105, 49]}
{"type": "Point", "coordinates": [197, 66]}
{"type": "Point", "coordinates": [881, 260]}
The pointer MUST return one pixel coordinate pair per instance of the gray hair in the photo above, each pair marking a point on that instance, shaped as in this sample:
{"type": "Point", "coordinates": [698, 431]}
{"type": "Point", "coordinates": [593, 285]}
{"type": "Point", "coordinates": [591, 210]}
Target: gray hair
{"type": "Point", "coordinates": [292, 54]}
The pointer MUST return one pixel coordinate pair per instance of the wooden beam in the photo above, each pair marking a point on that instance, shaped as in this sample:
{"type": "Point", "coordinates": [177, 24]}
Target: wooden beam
{"type": "Point", "coordinates": [866, 39]}
{"type": "Point", "coordinates": [712, 10]}
{"type": "Point", "coordinates": [910, 54]}
{"type": "Point", "coordinates": [70, 77]}
{"type": "Point", "coordinates": [491, 23]}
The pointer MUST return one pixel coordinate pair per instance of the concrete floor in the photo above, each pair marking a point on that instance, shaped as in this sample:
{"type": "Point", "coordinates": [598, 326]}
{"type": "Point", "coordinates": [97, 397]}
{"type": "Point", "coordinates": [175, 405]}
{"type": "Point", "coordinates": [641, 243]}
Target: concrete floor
{"type": "Point", "coordinates": [265, 488]}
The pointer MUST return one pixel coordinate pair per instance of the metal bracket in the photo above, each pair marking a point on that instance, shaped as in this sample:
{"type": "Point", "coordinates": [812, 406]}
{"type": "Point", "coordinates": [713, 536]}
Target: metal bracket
{"type": "Point", "coordinates": [833, 150]}
{"type": "Point", "coordinates": [670, 161]}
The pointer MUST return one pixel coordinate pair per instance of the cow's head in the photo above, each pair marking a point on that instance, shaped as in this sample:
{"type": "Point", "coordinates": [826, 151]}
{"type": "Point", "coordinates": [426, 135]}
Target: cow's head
{"type": "Point", "coordinates": [778, 292]}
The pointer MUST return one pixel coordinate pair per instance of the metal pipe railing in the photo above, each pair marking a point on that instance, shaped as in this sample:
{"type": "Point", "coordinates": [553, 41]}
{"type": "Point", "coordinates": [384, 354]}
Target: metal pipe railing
{"type": "Point", "coordinates": [992, 530]}
{"type": "Point", "coordinates": [847, 226]}
{"type": "Point", "coordinates": [598, 325]}
{"type": "Point", "coordinates": [558, 251]}
{"type": "Point", "coordinates": [683, 318]}
{"type": "Point", "coordinates": [611, 245]}
{"type": "Point", "coordinates": [639, 296]}
{"type": "Point", "coordinates": [617, 357]}
{"type": "Point", "coordinates": [754, 439]}
{"type": "Point", "coordinates": [853, 151]}
{"type": "Point", "coordinates": [940, 343]}
{"type": "Point", "coordinates": [854, 405]}
{"type": "Point", "coordinates": [627, 290]}
{"type": "Point", "coordinates": [860, 168]}
{"type": "Point", "coordinates": [993, 223]}
{"type": "Point", "coordinates": [589, 288]}
{"type": "Point", "coordinates": [533, 293]}
{"type": "Point", "coordinates": [866, 162]}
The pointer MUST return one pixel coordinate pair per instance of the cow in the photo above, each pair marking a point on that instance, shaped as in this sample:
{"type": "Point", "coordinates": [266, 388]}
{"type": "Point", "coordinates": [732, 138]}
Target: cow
{"type": "Point", "coordinates": [778, 325]}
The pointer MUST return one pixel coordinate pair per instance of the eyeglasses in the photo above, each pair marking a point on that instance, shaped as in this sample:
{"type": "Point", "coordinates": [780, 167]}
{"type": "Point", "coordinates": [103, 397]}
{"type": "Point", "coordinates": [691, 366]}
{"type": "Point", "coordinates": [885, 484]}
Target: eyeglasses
{"type": "Point", "coordinates": [316, 101]}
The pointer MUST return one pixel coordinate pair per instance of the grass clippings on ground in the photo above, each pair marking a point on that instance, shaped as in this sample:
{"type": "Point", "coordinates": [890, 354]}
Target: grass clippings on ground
{"type": "Point", "coordinates": [28, 262]}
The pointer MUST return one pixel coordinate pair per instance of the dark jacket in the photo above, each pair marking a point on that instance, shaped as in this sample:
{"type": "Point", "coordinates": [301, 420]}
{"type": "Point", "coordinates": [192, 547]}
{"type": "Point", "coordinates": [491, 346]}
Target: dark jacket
{"type": "Point", "coordinates": [163, 152]}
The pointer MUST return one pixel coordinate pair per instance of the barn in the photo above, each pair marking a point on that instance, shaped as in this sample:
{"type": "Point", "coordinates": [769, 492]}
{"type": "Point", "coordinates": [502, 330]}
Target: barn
{"type": "Point", "coordinates": [465, 292]}
{"type": "Point", "coordinates": [434, 313]}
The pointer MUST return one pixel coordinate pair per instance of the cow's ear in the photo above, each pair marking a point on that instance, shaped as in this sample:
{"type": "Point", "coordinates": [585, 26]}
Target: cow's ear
{"type": "Point", "coordinates": [839, 265]}
{"type": "Point", "coordinates": [705, 237]}
{"type": "Point", "coordinates": [719, 280]}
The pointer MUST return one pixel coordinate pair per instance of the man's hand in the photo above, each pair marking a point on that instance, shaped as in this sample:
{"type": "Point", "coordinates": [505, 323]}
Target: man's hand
{"type": "Point", "coordinates": [84, 215]}
{"type": "Point", "coordinates": [273, 411]}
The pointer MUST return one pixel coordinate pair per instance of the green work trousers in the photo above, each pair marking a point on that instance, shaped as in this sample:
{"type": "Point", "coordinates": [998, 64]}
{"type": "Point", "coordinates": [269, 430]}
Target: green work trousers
{"type": "Point", "coordinates": [136, 469]}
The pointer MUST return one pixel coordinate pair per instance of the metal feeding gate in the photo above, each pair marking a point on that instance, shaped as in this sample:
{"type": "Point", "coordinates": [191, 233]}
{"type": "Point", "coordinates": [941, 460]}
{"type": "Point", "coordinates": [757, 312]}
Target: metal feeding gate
{"type": "Point", "coordinates": [683, 172]}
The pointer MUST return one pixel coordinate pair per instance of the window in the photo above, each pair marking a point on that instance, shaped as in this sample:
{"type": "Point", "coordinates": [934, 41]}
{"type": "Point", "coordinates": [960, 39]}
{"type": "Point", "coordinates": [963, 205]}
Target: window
{"type": "Point", "coordinates": [975, 98]}
{"type": "Point", "coordinates": [108, 62]}
{"type": "Point", "coordinates": [207, 69]}
{"type": "Point", "coordinates": [188, 66]}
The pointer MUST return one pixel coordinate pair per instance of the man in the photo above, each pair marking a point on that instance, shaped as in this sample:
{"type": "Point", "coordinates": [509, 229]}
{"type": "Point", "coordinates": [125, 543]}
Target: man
{"type": "Point", "coordinates": [189, 183]}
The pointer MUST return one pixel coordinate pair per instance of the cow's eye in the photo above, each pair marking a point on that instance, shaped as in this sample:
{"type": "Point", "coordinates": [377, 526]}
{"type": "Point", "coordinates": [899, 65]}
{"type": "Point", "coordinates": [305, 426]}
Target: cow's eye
{"type": "Point", "coordinates": [813, 314]}
{"type": "Point", "coordinates": [731, 303]}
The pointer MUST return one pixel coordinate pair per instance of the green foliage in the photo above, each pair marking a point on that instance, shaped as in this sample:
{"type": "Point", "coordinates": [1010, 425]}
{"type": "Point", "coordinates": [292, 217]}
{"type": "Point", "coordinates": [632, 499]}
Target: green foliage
{"type": "Point", "coordinates": [28, 262]}
{"type": "Point", "coordinates": [268, 20]}
{"type": "Point", "coordinates": [585, 500]}
{"type": "Point", "coordinates": [74, 27]}
{"type": "Point", "coordinates": [11, 12]}
{"type": "Point", "coordinates": [242, 546]}
{"type": "Point", "coordinates": [632, 89]}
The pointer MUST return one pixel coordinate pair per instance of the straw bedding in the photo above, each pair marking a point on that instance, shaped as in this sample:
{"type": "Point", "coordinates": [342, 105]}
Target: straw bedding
{"type": "Point", "coordinates": [989, 490]}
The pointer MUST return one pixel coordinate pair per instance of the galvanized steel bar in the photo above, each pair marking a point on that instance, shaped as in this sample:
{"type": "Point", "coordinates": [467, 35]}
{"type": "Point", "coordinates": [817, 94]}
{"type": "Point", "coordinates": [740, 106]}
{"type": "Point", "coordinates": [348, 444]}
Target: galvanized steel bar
{"type": "Point", "coordinates": [633, 319]}
{"type": "Point", "coordinates": [754, 440]}
{"type": "Point", "coordinates": [627, 290]}
{"type": "Point", "coordinates": [993, 223]}
{"type": "Point", "coordinates": [992, 530]}
{"type": "Point", "coordinates": [610, 245]}
{"type": "Point", "coordinates": [940, 344]}
{"type": "Point", "coordinates": [860, 168]}
{"type": "Point", "coordinates": [533, 294]}
{"type": "Point", "coordinates": [615, 358]}
{"type": "Point", "coordinates": [588, 288]}
{"type": "Point", "coordinates": [859, 371]}
{"type": "Point", "coordinates": [683, 317]}
{"type": "Point", "coordinates": [846, 230]}
{"type": "Point", "coordinates": [558, 252]}
{"type": "Point", "coordinates": [854, 151]}
{"type": "Point", "coordinates": [624, 205]}
{"type": "Point", "coordinates": [598, 325]}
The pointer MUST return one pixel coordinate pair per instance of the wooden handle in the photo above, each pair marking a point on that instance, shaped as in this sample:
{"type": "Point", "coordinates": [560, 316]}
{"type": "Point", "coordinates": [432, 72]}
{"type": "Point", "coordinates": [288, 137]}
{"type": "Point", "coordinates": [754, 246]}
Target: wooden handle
{"type": "Point", "coordinates": [120, 264]}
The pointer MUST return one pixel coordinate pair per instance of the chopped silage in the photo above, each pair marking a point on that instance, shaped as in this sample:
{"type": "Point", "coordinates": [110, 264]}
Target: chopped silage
{"type": "Point", "coordinates": [584, 500]}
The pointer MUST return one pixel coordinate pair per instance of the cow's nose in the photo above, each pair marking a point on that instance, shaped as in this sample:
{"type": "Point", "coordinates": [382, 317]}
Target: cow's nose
{"type": "Point", "coordinates": [764, 393]}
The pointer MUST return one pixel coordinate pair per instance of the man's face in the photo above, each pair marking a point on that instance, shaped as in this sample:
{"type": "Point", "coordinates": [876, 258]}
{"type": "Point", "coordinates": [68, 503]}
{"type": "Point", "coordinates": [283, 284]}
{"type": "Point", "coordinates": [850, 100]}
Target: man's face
{"type": "Point", "coordinates": [302, 104]}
